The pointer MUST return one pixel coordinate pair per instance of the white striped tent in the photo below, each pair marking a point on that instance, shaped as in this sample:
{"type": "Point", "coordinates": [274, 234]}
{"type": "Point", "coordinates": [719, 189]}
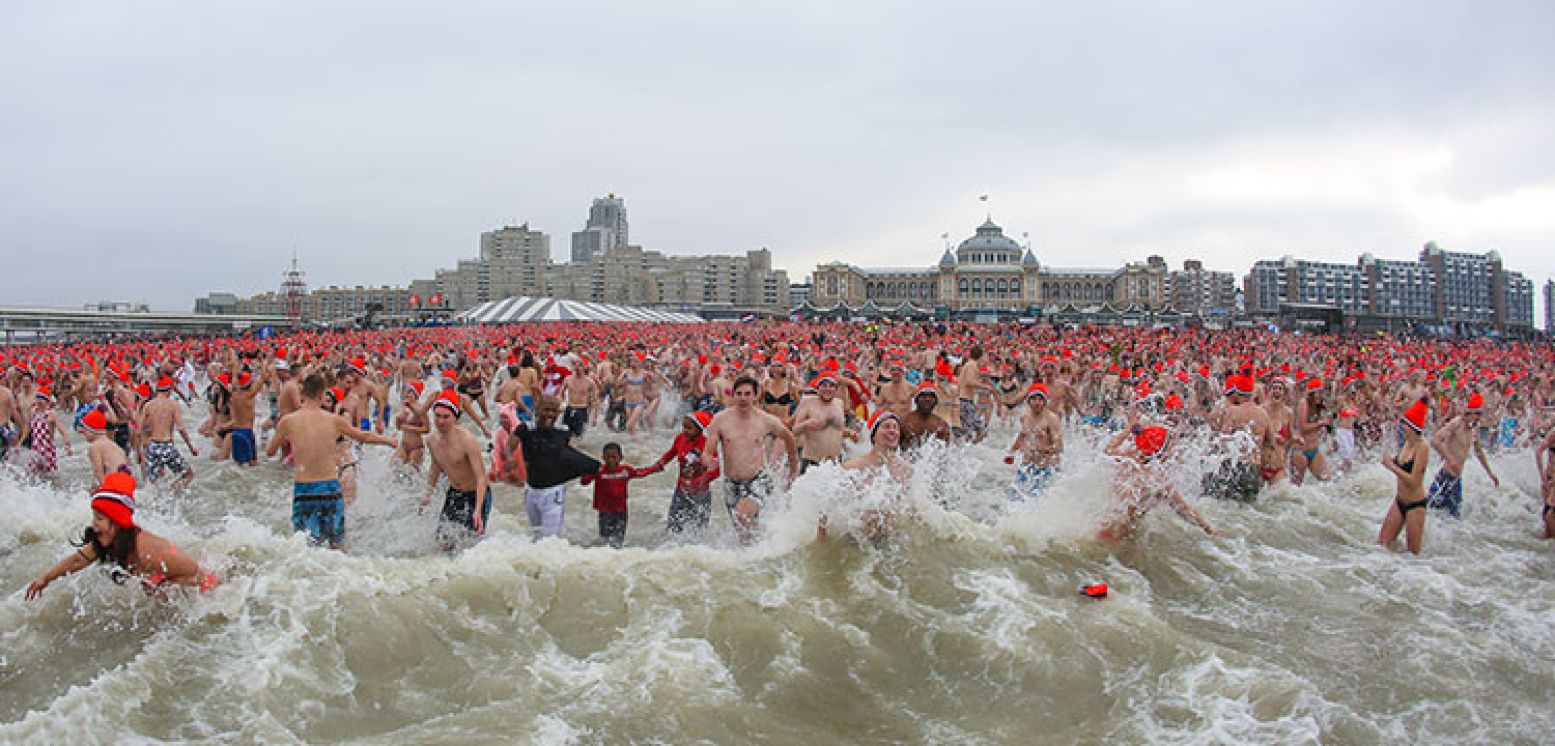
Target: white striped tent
{"type": "Point", "coordinates": [522, 308]}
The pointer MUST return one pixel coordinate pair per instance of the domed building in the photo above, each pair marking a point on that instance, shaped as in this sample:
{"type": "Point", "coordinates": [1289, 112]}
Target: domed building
{"type": "Point", "coordinates": [990, 273]}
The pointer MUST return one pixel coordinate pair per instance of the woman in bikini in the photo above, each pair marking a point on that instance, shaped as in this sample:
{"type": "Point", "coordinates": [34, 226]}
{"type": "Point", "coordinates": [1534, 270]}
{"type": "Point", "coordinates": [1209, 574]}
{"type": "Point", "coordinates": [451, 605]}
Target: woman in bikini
{"type": "Point", "coordinates": [114, 538]}
{"type": "Point", "coordinates": [778, 397]}
{"type": "Point", "coordinates": [472, 383]}
{"type": "Point", "coordinates": [1310, 422]}
{"type": "Point", "coordinates": [632, 383]}
{"type": "Point", "coordinates": [1277, 456]}
{"type": "Point", "coordinates": [412, 424]}
{"type": "Point", "coordinates": [1407, 513]}
{"type": "Point", "coordinates": [345, 449]}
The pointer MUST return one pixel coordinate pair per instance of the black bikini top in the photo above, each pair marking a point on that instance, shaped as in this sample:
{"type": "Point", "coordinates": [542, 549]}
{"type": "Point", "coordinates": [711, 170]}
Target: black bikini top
{"type": "Point", "coordinates": [1404, 465]}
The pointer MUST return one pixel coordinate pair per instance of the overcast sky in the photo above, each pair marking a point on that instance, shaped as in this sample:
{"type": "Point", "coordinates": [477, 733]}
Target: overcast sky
{"type": "Point", "coordinates": [156, 151]}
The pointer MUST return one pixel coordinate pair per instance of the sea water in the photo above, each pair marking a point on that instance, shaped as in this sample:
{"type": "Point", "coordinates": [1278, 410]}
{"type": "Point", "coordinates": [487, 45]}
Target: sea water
{"type": "Point", "coordinates": [961, 625]}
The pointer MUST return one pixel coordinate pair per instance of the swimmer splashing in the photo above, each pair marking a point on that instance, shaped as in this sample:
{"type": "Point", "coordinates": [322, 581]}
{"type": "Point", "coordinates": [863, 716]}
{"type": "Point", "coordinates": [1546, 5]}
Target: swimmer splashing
{"type": "Point", "coordinates": [114, 537]}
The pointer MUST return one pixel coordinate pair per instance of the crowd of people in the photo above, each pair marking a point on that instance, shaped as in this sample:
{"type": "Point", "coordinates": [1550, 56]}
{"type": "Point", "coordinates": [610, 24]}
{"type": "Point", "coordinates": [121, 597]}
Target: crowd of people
{"type": "Point", "coordinates": [757, 404]}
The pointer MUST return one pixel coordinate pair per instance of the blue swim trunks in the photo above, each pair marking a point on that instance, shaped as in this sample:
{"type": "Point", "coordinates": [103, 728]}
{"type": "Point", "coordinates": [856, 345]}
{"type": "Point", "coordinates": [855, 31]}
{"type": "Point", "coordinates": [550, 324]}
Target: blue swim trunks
{"type": "Point", "coordinates": [1031, 481]}
{"type": "Point", "coordinates": [1446, 493]}
{"type": "Point", "coordinates": [318, 509]}
{"type": "Point", "coordinates": [243, 451]}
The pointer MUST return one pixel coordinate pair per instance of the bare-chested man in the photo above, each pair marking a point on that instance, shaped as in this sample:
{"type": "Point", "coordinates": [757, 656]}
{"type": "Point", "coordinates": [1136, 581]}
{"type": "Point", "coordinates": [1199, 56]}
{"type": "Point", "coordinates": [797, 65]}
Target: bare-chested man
{"type": "Point", "coordinates": [245, 388]}
{"type": "Point", "coordinates": [922, 423]}
{"type": "Point", "coordinates": [739, 434]}
{"type": "Point", "coordinates": [972, 383]}
{"type": "Point", "coordinates": [1040, 445]}
{"type": "Point", "coordinates": [158, 419]}
{"type": "Point", "coordinates": [884, 511]}
{"type": "Point", "coordinates": [820, 425]}
{"type": "Point", "coordinates": [467, 503]}
{"type": "Point", "coordinates": [896, 394]}
{"type": "Point", "coordinates": [288, 399]}
{"type": "Point", "coordinates": [317, 505]}
{"type": "Point", "coordinates": [104, 454]}
{"type": "Point", "coordinates": [582, 395]}
{"type": "Point", "coordinates": [1238, 477]}
{"type": "Point", "coordinates": [1453, 441]}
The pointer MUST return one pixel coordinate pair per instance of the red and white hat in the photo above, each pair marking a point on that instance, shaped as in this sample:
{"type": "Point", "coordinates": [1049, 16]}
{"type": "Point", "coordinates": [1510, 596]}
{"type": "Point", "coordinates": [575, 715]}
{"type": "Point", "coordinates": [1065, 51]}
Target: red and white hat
{"type": "Point", "coordinates": [927, 387]}
{"type": "Point", "coordinates": [115, 499]}
{"type": "Point", "coordinates": [878, 419]}
{"type": "Point", "coordinates": [449, 400]}
{"type": "Point", "coordinates": [1415, 416]}
{"type": "Point", "coordinates": [702, 419]}
{"type": "Point", "coordinates": [1036, 389]}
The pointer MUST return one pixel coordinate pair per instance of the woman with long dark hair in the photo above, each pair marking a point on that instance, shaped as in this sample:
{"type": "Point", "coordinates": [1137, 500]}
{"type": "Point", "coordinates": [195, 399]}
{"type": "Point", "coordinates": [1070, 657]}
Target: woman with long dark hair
{"type": "Point", "coordinates": [1407, 513]}
{"type": "Point", "coordinates": [114, 538]}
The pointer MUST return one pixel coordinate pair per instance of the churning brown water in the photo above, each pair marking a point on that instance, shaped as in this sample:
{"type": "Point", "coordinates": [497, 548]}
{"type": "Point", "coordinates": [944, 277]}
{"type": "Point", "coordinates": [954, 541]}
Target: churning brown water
{"type": "Point", "coordinates": [963, 627]}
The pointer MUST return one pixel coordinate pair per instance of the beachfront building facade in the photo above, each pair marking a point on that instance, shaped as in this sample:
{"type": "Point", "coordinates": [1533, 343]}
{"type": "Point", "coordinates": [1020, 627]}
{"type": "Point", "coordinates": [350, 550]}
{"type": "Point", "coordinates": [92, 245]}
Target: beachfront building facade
{"type": "Point", "coordinates": [990, 272]}
{"type": "Point", "coordinates": [631, 275]}
{"type": "Point", "coordinates": [1456, 291]}
{"type": "Point", "coordinates": [1201, 292]}
{"type": "Point", "coordinates": [333, 303]}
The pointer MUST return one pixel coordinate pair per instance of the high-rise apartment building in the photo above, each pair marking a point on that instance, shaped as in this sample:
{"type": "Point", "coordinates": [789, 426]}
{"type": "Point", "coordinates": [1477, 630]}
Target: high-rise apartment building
{"type": "Point", "coordinates": [1199, 291]}
{"type": "Point", "coordinates": [606, 229]}
{"type": "Point", "coordinates": [1462, 292]}
{"type": "Point", "coordinates": [1549, 306]}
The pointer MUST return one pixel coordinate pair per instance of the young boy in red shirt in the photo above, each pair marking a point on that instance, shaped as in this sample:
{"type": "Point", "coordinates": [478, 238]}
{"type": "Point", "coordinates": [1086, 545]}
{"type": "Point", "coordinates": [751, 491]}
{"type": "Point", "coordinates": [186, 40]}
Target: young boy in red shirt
{"type": "Point", "coordinates": [610, 493]}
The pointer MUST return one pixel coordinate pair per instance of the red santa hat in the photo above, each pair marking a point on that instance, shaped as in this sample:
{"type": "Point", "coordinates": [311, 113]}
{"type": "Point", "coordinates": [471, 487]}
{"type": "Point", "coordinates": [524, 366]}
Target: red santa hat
{"type": "Point", "coordinates": [115, 499]}
{"type": "Point", "coordinates": [450, 401]}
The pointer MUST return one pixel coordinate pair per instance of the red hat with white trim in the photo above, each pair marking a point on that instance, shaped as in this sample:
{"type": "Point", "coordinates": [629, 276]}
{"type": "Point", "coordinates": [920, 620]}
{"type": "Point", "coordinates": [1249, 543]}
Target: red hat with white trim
{"type": "Point", "coordinates": [449, 400]}
{"type": "Point", "coordinates": [1416, 415]}
{"type": "Point", "coordinates": [878, 419]}
{"type": "Point", "coordinates": [1036, 389]}
{"type": "Point", "coordinates": [702, 419]}
{"type": "Point", "coordinates": [115, 499]}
